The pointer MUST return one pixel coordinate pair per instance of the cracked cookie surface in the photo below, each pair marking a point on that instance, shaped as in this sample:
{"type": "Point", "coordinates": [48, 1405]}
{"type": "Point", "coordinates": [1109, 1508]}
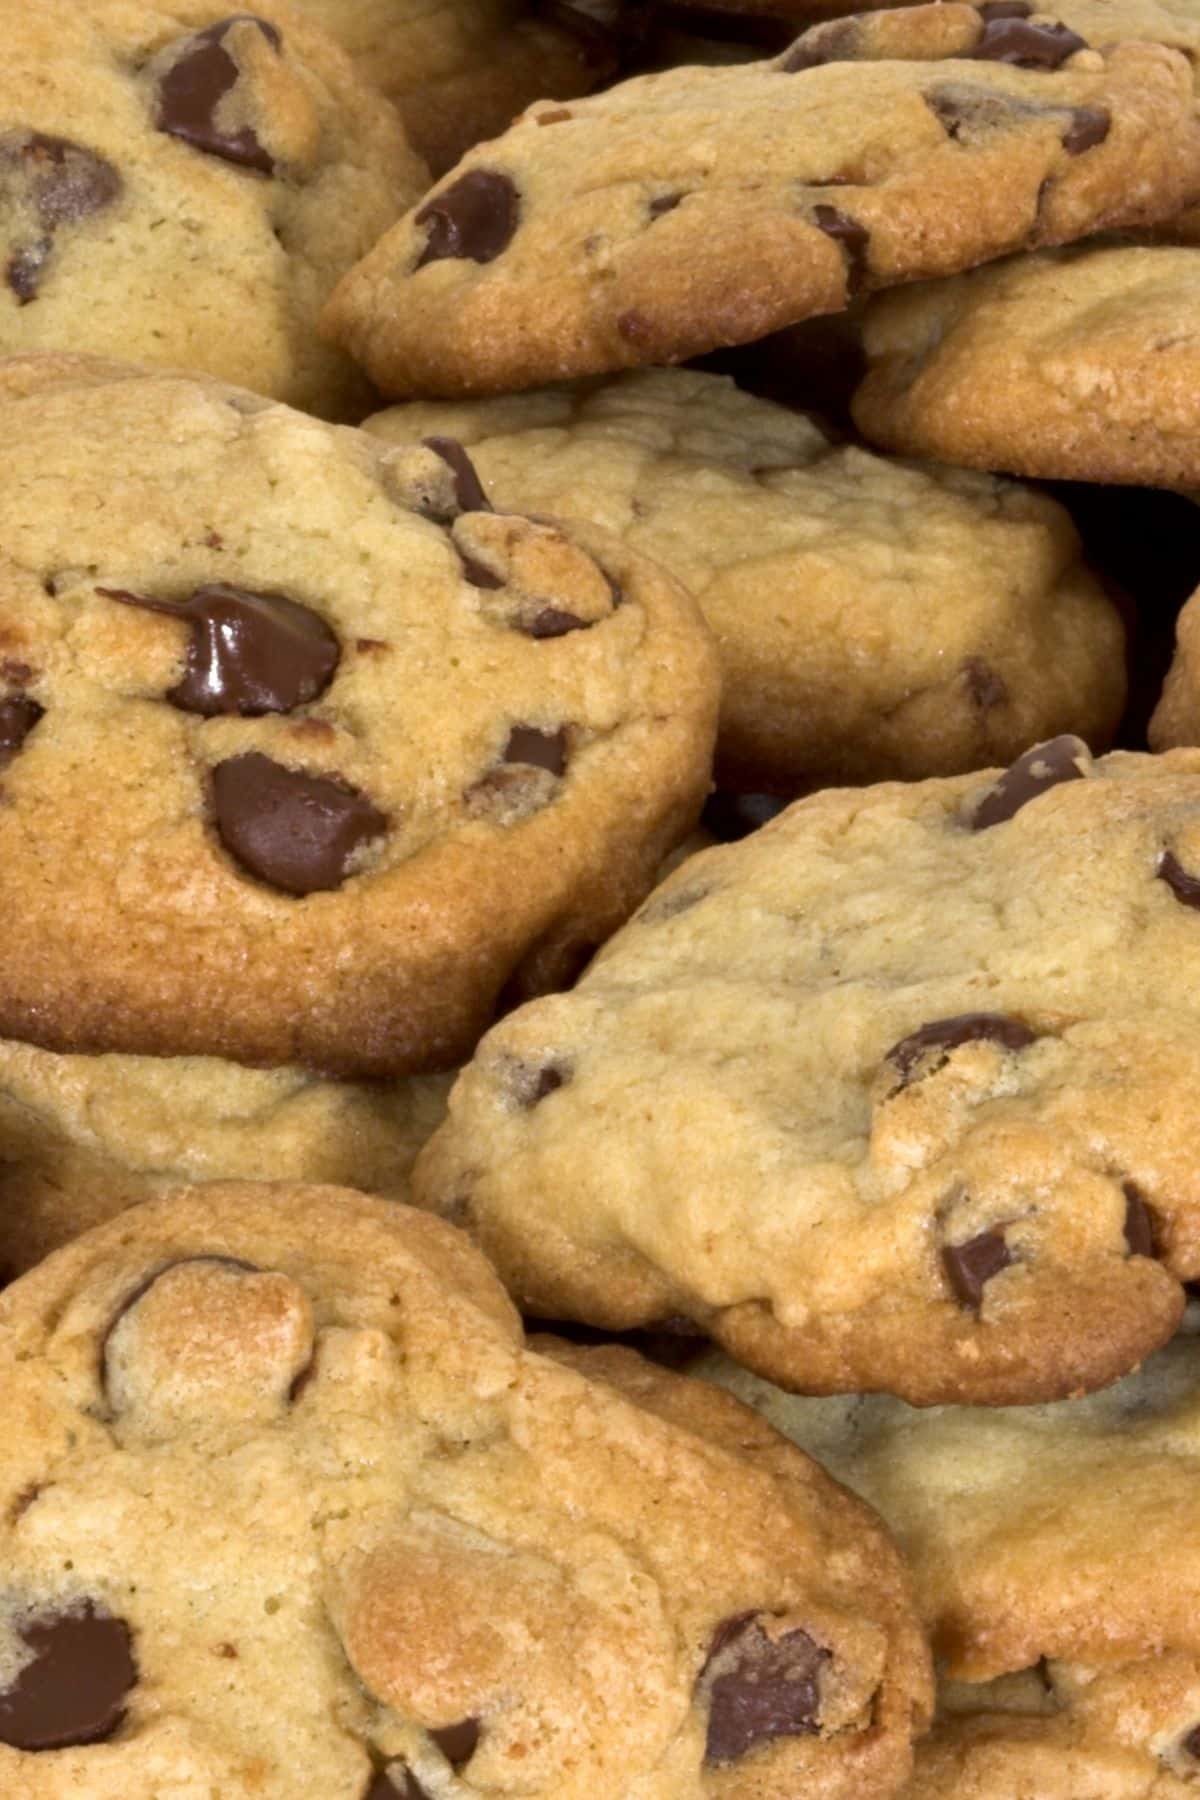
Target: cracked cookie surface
{"type": "Point", "coordinates": [186, 184]}
{"type": "Point", "coordinates": [1082, 363]}
{"type": "Point", "coordinates": [706, 206]}
{"type": "Point", "coordinates": [874, 619]}
{"type": "Point", "coordinates": [1051, 1550]}
{"type": "Point", "coordinates": [286, 1489]}
{"type": "Point", "coordinates": [363, 752]}
{"type": "Point", "coordinates": [895, 1094]}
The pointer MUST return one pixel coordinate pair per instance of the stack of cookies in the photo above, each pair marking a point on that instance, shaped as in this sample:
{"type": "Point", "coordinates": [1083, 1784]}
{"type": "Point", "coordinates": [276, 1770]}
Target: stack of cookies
{"type": "Point", "coordinates": [599, 736]}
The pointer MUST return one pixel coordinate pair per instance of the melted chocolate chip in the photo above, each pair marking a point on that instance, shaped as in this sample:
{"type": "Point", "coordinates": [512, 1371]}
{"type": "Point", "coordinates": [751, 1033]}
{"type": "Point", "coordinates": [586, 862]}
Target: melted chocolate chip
{"type": "Point", "coordinates": [457, 1743]}
{"type": "Point", "coordinates": [1191, 1743]}
{"type": "Point", "coordinates": [665, 203]}
{"type": "Point", "coordinates": [852, 237]}
{"type": "Point", "coordinates": [764, 1687]}
{"type": "Point", "coordinates": [468, 489]}
{"type": "Point", "coordinates": [1139, 1221]}
{"type": "Point", "coordinates": [986, 688]}
{"type": "Point", "coordinates": [552, 622]}
{"type": "Point", "coordinates": [947, 1034]}
{"type": "Point", "coordinates": [477, 573]}
{"type": "Point", "coordinates": [1032, 775]}
{"type": "Point", "coordinates": [531, 1086]}
{"type": "Point", "coordinates": [18, 716]}
{"type": "Point", "coordinates": [74, 1688]}
{"type": "Point", "coordinates": [1089, 126]}
{"type": "Point", "coordinates": [970, 1266]}
{"type": "Point", "coordinates": [1185, 887]}
{"type": "Point", "coordinates": [1011, 38]}
{"type": "Point", "coordinates": [540, 749]}
{"type": "Point", "coordinates": [63, 182]}
{"type": "Point", "coordinates": [191, 91]}
{"type": "Point", "coordinates": [297, 832]}
{"type": "Point", "coordinates": [475, 218]}
{"type": "Point", "coordinates": [249, 653]}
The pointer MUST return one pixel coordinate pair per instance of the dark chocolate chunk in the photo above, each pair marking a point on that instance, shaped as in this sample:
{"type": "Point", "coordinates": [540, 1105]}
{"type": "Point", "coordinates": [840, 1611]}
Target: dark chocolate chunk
{"type": "Point", "coordinates": [192, 89]}
{"type": "Point", "coordinates": [763, 1687]}
{"type": "Point", "coordinates": [468, 489]}
{"type": "Point", "coordinates": [1089, 126]}
{"type": "Point", "coordinates": [61, 182]}
{"type": "Point", "coordinates": [1191, 1743]}
{"type": "Point", "coordinates": [457, 1743]}
{"type": "Point", "coordinates": [249, 653]}
{"type": "Point", "coordinates": [18, 716]}
{"type": "Point", "coordinates": [665, 203]}
{"type": "Point", "coordinates": [552, 622]}
{"type": "Point", "coordinates": [852, 237]}
{"type": "Point", "coordinates": [73, 1691]}
{"type": "Point", "coordinates": [540, 749]}
{"type": "Point", "coordinates": [477, 573]}
{"type": "Point", "coordinates": [1032, 775]}
{"type": "Point", "coordinates": [475, 218]}
{"type": "Point", "coordinates": [1010, 38]}
{"type": "Point", "coordinates": [947, 1034]}
{"type": "Point", "coordinates": [1139, 1221]}
{"type": "Point", "coordinates": [295, 831]}
{"type": "Point", "coordinates": [970, 1266]}
{"type": "Point", "coordinates": [1185, 887]}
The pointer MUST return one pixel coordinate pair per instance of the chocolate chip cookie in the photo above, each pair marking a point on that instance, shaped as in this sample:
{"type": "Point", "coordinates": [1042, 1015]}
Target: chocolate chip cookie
{"type": "Point", "coordinates": [283, 1488]}
{"type": "Point", "coordinates": [1080, 363]}
{"type": "Point", "coordinates": [186, 185]}
{"type": "Point", "coordinates": [706, 206]}
{"type": "Point", "coordinates": [311, 756]}
{"type": "Point", "coordinates": [82, 1137]}
{"type": "Point", "coordinates": [460, 70]}
{"type": "Point", "coordinates": [897, 1093]}
{"type": "Point", "coordinates": [1051, 1550]}
{"type": "Point", "coordinates": [875, 619]}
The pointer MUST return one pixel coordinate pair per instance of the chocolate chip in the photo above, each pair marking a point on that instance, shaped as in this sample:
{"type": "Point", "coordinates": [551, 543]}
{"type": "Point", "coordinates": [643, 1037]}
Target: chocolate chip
{"type": "Point", "coordinates": [986, 688]}
{"type": "Point", "coordinates": [852, 237]}
{"type": "Point", "coordinates": [965, 111]}
{"type": "Point", "coordinates": [665, 203]}
{"type": "Point", "coordinates": [552, 622]}
{"type": "Point", "coordinates": [1032, 775]}
{"type": "Point", "coordinates": [192, 89]}
{"type": "Point", "coordinates": [250, 653]}
{"type": "Point", "coordinates": [540, 749]}
{"type": "Point", "coordinates": [1191, 1743]}
{"type": "Point", "coordinates": [477, 573]}
{"type": "Point", "coordinates": [295, 831]}
{"type": "Point", "coordinates": [836, 42]}
{"type": "Point", "coordinates": [62, 182]}
{"type": "Point", "coordinates": [1185, 887]}
{"type": "Point", "coordinates": [529, 1086]}
{"type": "Point", "coordinates": [1089, 126]}
{"type": "Point", "coordinates": [970, 1266]}
{"type": "Point", "coordinates": [1139, 1221]}
{"type": "Point", "coordinates": [457, 1743]}
{"type": "Point", "coordinates": [1010, 38]}
{"type": "Point", "coordinates": [731, 817]}
{"type": "Point", "coordinates": [763, 1687]}
{"type": "Point", "coordinates": [18, 716]}
{"type": "Point", "coordinates": [947, 1034]}
{"type": "Point", "coordinates": [475, 217]}
{"type": "Point", "coordinates": [74, 1688]}
{"type": "Point", "coordinates": [468, 489]}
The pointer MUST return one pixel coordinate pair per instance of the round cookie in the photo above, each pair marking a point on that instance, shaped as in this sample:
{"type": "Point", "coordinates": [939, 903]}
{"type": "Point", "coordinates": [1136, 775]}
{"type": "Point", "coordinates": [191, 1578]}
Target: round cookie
{"type": "Point", "coordinates": [874, 620]}
{"type": "Point", "coordinates": [897, 1093]}
{"type": "Point", "coordinates": [285, 1489]}
{"type": "Point", "coordinates": [83, 1137]}
{"type": "Point", "coordinates": [1051, 1547]}
{"type": "Point", "coordinates": [186, 185]}
{"type": "Point", "coordinates": [1080, 364]}
{"type": "Point", "coordinates": [460, 70]}
{"type": "Point", "coordinates": [311, 756]}
{"type": "Point", "coordinates": [708, 206]}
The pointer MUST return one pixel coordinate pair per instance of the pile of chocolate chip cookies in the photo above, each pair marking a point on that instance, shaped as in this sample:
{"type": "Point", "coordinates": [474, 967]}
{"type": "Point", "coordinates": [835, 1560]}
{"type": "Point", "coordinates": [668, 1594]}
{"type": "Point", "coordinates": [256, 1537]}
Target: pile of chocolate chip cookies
{"type": "Point", "coordinates": [600, 866]}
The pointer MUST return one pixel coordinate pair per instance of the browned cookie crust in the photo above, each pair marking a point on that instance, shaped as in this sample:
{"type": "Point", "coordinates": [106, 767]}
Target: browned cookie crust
{"type": "Point", "coordinates": [185, 183]}
{"type": "Point", "coordinates": [309, 754]}
{"type": "Point", "coordinates": [283, 1488]}
{"type": "Point", "coordinates": [708, 206]}
{"type": "Point", "coordinates": [897, 1093]}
